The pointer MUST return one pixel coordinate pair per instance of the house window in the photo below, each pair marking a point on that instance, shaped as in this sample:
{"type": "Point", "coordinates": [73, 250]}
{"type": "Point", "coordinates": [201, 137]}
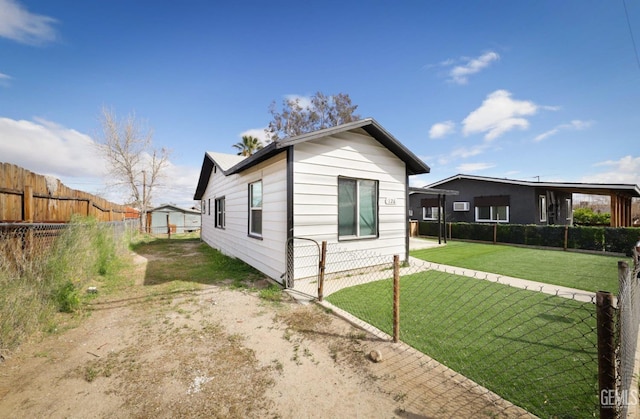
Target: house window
{"type": "Point", "coordinates": [430, 213]}
{"type": "Point", "coordinates": [203, 208]}
{"type": "Point", "coordinates": [220, 216]}
{"type": "Point", "coordinates": [255, 209]}
{"type": "Point", "coordinates": [569, 209]}
{"type": "Point", "coordinates": [493, 209]}
{"type": "Point", "coordinates": [496, 214]}
{"type": "Point", "coordinates": [542, 202]}
{"type": "Point", "coordinates": [209, 206]}
{"type": "Point", "coordinates": [357, 208]}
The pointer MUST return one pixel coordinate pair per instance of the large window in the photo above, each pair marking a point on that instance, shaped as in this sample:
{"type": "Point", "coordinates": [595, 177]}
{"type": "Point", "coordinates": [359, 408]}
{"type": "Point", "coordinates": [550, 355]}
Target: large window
{"type": "Point", "coordinates": [220, 216]}
{"type": "Point", "coordinates": [499, 214]}
{"type": "Point", "coordinates": [357, 208]}
{"type": "Point", "coordinates": [493, 209]}
{"type": "Point", "coordinates": [255, 209]}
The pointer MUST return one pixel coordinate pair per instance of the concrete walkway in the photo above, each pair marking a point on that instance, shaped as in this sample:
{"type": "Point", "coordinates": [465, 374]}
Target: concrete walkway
{"type": "Point", "coordinates": [309, 286]}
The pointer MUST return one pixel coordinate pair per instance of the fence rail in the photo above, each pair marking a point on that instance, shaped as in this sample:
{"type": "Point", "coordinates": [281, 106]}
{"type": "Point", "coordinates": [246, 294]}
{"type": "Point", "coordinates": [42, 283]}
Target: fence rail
{"type": "Point", "coordinates": [535, 350]}
{"type": "Point", "coordinates": [29, 197]}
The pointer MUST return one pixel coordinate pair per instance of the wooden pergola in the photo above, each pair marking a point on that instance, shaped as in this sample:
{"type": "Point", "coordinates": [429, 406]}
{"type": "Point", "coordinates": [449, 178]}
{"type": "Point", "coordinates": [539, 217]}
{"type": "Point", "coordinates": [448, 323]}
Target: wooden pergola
{"type": "Point", "coordinates": [441, 197]}
{"type": "Point", "coordinates": [621, 199]}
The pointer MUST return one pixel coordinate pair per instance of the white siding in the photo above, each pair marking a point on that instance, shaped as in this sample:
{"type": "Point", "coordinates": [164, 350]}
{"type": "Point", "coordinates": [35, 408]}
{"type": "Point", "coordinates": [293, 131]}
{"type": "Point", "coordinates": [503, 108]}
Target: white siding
{"type": "Point", "coordinates": [268, 254]}
{"type": "Point", "coordinates": [317, 165]}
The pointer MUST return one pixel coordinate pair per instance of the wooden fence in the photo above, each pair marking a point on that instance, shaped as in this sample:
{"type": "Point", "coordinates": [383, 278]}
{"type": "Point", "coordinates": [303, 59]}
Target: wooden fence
{"type": "Point", "coordinates": [29, 197]}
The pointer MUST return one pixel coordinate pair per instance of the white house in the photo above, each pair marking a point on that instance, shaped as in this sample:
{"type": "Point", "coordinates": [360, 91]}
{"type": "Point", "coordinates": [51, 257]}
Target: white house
{"type": "Point", "coordinates": [346, 184]}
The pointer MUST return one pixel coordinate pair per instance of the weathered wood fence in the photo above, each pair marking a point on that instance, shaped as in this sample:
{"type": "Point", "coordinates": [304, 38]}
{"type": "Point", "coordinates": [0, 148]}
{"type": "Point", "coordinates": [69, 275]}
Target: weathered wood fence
{"type": "Point", "coordinates": [29, 197]}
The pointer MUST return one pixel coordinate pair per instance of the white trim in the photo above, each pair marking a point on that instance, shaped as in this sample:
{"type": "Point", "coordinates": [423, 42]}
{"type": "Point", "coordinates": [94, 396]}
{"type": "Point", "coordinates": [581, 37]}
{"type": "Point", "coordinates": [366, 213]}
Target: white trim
{"type": "Point", "coordinates": [493, 215]}
{"type": "Point", "coordinates": [434, 214]}
{"type": "Point", "coordinates": [461, 206]}
{"type": "Point", "coordinates": [542, 206]}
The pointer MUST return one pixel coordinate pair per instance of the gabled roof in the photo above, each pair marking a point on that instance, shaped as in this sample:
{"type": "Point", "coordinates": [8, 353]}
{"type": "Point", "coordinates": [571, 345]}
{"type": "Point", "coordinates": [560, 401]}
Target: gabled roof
{"type": "Point", "coordinates": [574, 187]}
{"type": "Point", "coordinates": [162, 208]}
{"type": "Point", "coordinates": [225, 163]}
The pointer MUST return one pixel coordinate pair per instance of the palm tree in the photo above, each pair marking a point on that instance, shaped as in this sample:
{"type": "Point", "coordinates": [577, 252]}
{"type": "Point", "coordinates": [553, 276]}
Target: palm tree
{"type": "Point", "coordinates": [248, 145]}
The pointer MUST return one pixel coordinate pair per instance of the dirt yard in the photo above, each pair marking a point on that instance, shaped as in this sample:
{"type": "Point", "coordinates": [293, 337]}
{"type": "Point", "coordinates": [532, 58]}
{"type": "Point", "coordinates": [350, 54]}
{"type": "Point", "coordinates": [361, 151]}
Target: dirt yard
{"type": "Point", "coordinates": [220, 352]}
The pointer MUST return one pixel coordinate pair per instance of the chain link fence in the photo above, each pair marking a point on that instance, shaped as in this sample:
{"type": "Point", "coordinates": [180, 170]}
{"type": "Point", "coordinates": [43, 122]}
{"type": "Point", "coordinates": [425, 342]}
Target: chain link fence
{"type": "Point", "coordinates": [626, 397]}
{"type": "Point", "coordinates": [23, 244]}
{"type": "Point", "coordinates": [512, 347]}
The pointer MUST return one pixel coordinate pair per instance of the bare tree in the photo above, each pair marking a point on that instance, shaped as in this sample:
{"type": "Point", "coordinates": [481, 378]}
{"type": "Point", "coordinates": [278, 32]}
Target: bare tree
{"type": "Point", "coordinates": [135, 166]}
{"type": "Point", "coordinates": [322, 112]}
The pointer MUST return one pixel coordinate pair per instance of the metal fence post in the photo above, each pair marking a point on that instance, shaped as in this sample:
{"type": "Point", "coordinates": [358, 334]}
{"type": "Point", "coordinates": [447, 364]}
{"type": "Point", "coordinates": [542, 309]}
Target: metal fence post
{"type": "Point", "coordinates": [606, 354]}
{"type": "Point", "coordinates": [396, 298]}
{"type": "Point", "coordinates": [323, 263]}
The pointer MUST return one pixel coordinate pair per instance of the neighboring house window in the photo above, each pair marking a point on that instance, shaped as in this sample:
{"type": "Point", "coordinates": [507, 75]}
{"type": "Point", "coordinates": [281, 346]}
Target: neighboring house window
{"type": "Point", "coordinates": [357, 208]}
{"type": "Point", "coordinates": [430, 208]}
{"type": "Point", "coordinates": [430, 213]}
{"type": "Point", "coordinates": [220, 216]}
{"type": "Point", "coordinates": [543, 207]}
{"type": "Point", "coordinates": [255, 209]}
{"type": "Point", "coordinates": [492, 209]}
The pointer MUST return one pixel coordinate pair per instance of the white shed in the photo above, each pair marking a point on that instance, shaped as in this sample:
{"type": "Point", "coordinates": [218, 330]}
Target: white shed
{"type": "Point", "coordinates": [346, 184]}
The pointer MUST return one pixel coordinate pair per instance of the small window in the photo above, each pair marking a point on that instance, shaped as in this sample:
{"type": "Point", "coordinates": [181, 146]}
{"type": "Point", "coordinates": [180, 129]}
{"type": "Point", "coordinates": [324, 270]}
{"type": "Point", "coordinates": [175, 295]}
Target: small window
{"type": "Point", "coordinates": [357, 208]}
{"type": "Point", "coordinates": [429, 213]}
{"type": "Point", "coordinates": [209, 207]}
{"type": "Point", "coordinates": [569, 205]}
{"type": "Point", "coordinates": [203, 206]}
{"type": "Point", "coordinates": [220, 215]}
{"type": "Point", "coordinates": [543, 208]}
{"type": "Point", "coordinates": [255, 209]}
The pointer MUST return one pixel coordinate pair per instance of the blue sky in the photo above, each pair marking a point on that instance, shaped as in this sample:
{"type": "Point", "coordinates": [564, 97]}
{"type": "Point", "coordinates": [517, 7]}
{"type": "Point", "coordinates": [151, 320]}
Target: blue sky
{"type": "Point", "coordinates": [528, 90]}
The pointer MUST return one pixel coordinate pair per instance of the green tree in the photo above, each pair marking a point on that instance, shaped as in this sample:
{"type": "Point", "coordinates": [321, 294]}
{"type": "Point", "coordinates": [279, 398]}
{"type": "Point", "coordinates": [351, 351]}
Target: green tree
{"type": "Point", "coordinates": [586, 216]}
{"type": "Point", "coordinates": [248, 145]}
{"type": "Point", "coordinates": [322, 111]}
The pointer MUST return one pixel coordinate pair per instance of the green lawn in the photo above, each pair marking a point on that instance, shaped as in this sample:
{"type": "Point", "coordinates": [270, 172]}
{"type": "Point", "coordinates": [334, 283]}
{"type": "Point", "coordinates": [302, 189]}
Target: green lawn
{"type": "Point", "coordinates": [570, 269]}
{"type": "Point", "coordinates": [536, 350]}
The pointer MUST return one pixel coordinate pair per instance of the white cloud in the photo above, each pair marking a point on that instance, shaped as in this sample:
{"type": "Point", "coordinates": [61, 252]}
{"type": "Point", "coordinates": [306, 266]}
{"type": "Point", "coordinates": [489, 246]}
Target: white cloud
{"type": "Point", "coordinates": [442, 129]}
{"type": "Point", "coordinates": [460, 74]}
{"type": "Point", "coordinates": [4, 79]}
{"type": "Point", "coordinates": [466, 152]}
{"type": "Point", "coordinates": [20, 25]}
{"type": "Point", "coordinates": [576, 125]}
{"type": "Point", "coordinates": [474, 167]}
{"type": "Point", "coordinates": [498, 114]}
{"type": "Point", "coordinates": [47, 148]}
{"type": "Point", "coordinates": [625, 170]}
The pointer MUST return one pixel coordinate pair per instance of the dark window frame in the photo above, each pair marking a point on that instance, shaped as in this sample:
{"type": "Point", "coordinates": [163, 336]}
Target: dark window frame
{"type": "Point", "coordinates": [255, 226]}
{"type": "Point", "coordinates": [220, 213]}
{"type": "Point", "coordinates": [356, 213]}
